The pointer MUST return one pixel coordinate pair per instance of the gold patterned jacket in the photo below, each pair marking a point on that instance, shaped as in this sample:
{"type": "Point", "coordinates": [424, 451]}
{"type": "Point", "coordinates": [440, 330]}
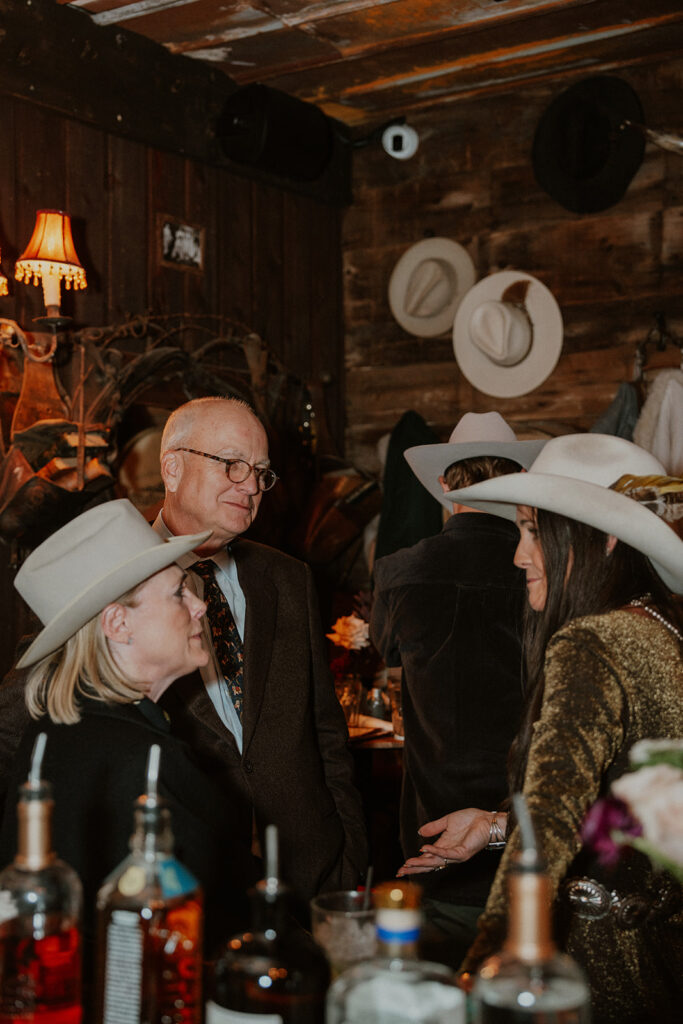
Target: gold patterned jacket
{"type": "Point", "coordinates": [610, 680]}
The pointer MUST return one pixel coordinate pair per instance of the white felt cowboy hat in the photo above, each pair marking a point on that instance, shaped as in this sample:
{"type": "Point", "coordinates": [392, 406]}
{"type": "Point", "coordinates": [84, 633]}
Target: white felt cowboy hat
{"type": "Point", "coordinates": [427, 285]}
{"type": "Point", "coordinates": [89, 563]}
{"type": "Point", "coordinates": [476, 433]}
{"type": "Point", "coordinates": [507, 335]}
{"type": "Point", "coordinates": [573, 476]}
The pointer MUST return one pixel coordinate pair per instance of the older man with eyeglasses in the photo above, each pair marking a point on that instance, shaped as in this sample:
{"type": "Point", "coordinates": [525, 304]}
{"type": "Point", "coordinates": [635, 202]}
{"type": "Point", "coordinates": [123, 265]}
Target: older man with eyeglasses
{"type": "Point", "coordinates": [263, 717]}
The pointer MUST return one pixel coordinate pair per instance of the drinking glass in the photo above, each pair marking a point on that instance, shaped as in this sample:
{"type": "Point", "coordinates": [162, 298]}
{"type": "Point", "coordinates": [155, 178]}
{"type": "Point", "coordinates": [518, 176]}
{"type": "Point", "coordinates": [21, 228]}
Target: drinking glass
{"type": "Point", "coordinates": [344, 928]}
{"type": "Point", "coordinates": [396, 709]}
{"type": "Point", "coordinates": [348, 690]}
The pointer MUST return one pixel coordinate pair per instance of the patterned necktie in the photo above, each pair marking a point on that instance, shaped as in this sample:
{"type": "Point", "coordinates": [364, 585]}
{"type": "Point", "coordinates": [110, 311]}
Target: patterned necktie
{"type": "Point", "coordinates": [224, 633]}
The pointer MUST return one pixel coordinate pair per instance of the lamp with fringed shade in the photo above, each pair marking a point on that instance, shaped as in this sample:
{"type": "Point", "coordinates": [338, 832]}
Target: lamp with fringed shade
{"type": "Point", "coordinates": [50, 256]}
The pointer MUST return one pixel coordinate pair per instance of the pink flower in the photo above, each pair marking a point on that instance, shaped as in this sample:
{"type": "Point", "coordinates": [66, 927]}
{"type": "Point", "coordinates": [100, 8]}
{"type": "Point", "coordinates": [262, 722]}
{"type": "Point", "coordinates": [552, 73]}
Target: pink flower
{"type": "Point", "coordinates": [654, 794]}
{"type": "Point", "coordinates": [350, 632]}
{"type": "Point", "coordinates": [605, 817]}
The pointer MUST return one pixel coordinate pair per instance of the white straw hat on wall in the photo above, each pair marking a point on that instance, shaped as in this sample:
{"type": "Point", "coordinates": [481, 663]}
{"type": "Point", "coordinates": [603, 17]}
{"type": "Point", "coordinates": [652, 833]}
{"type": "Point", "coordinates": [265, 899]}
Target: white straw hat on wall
{"type": "Point", "coordinates": [427, 285]}
{"type": "Point", "coordinates": [507, 335]}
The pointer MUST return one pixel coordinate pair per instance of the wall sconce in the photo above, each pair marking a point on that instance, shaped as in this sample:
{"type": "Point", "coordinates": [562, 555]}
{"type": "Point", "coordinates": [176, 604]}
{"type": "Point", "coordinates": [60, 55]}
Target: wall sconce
{"type": "Point", "coordinates": [50, 256]}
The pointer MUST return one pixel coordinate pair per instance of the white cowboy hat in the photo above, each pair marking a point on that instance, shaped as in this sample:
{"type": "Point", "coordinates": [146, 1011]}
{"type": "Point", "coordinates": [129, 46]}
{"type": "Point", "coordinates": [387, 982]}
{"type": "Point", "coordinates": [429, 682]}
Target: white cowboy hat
{"type": "Point", "coordinates": [573, 476]}
{"type": "Point", "coordinates": [89, 563]}
{"type": "Point", "coordinates": [476, 433]}
{"type": "Point", "coordinates": [427, 285]}
{"type": "Point", "coordinates": [507, 335]}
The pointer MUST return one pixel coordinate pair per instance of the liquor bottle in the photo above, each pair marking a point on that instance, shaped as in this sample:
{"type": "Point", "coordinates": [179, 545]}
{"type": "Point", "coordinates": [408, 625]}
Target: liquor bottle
{"type": "Point", "coordinates": [275, 973]}
{"type": "Point", "coordinates": [396, 986]}
{"type": "Point", "coordinates": [529, 981]}
{"type": "Point", "coordinates": [149, 926]}
{"type": "Point", "coordinates": [40, 909]}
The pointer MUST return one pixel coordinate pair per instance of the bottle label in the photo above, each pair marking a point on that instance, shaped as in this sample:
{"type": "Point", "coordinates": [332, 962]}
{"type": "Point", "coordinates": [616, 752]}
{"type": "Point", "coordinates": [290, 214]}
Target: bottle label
{"type": "Point", "coordinates": [216, 1014]}
{"type": "Point", "coordinates": [175, 879]}
{"type": "Point", "coordinates": [124, 969]}
{"type": "Point", "coordinates": [132, 881]}
{"type": "Point", "coordinates": [397, 997]}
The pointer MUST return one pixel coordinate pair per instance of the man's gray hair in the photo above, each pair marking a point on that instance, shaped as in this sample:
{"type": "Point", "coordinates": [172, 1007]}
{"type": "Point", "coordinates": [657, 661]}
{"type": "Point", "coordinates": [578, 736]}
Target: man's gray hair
{"type": "Point", "coordinates": [180, 425]}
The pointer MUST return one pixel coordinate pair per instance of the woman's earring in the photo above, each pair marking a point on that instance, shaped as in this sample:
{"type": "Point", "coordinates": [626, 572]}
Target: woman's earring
{"type": "Point", "coordinates": [129, 641]}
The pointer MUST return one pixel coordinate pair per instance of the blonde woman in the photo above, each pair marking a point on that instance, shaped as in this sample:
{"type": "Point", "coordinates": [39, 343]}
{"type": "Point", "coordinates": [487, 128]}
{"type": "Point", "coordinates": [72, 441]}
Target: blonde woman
{"type": "Point", "coordinates": [119, 625]}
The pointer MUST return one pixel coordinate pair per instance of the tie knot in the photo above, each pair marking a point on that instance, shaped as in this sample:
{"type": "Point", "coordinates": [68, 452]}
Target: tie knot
{"type": "Point", "coordinates": [205, 570]}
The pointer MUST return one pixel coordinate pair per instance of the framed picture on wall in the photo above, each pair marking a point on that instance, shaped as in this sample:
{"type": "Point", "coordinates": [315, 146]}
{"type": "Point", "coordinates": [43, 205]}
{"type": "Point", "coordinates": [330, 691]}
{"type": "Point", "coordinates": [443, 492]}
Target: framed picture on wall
{"type": "Point", "coordinates": [180, 245]}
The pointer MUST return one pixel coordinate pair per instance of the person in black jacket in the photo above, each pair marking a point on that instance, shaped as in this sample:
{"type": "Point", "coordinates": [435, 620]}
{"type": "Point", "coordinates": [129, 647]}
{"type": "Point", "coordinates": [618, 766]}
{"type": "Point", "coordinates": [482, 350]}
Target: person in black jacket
{"type": "Point", "coordinates": [120, 624]}
{"type": "Point", "coordinates": [448, 611]}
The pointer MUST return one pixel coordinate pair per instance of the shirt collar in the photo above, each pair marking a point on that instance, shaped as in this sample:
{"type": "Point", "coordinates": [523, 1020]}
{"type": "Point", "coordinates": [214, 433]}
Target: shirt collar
{"type": "Point", "coordinates": [222, 557]}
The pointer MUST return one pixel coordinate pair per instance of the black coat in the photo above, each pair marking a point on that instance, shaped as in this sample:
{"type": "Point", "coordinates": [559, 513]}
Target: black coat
{"type": "Point", "coordinates": [448, 610]}
{"type": "Point", "coordinates": [97, 771]}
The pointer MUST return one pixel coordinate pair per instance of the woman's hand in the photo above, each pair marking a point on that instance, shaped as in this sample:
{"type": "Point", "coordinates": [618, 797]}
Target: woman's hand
{"type": "Point", "coordinates": [461, 834]}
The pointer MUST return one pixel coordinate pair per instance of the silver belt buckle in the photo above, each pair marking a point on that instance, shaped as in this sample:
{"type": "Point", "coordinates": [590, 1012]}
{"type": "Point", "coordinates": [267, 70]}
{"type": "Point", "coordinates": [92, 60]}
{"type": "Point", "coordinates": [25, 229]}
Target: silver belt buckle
{"type": "Point", "coordinates": [589, 899]}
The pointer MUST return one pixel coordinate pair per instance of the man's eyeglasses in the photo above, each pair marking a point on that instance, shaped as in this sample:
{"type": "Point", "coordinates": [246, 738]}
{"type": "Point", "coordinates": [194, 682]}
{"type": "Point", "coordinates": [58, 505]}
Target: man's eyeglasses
{"type": "Point", "coordinates": [238, 470]}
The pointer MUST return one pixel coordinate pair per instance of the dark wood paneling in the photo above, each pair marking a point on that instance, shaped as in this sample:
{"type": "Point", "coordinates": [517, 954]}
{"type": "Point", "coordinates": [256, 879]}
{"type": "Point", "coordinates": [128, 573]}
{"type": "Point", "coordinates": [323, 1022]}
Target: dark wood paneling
{"type": "Point", "coordinates": [235, 198]}
{"type": "Point", "coordinates": [268, 258]}
{"type": "Point", "coordinates": [126, 233]}
{"type": "Point", "coordinates": [86, 157]}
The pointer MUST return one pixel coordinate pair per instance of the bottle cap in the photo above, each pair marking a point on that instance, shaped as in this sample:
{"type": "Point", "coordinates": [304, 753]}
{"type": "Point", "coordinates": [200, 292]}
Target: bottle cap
{"type": "Point", "coordinates": [397, 895]}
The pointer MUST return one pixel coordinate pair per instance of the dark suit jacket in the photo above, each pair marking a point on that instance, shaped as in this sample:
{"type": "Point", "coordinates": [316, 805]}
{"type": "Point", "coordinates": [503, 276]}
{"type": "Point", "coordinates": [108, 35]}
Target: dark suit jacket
{"type": "Point", "coordinates": [295, 769]}
{"type": "Point", "coordinates": [448, 610]}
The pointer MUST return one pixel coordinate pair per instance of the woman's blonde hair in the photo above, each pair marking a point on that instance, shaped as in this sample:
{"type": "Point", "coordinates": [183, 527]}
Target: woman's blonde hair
{"type": "Point", "coordinates": [83, 666]}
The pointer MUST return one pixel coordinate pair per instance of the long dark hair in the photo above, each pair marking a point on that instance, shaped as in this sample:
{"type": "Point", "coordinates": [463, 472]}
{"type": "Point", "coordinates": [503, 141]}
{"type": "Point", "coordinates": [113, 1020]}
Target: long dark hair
{"type": "Point", "coordinates": [583, 578]}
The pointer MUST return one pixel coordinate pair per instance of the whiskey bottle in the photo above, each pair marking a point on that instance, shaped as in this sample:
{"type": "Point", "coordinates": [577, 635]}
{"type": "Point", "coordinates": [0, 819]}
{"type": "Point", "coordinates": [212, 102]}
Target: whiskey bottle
{"type": "Point", "coordinates": [149, 926]}
{"type": "Point", "coordinates": [275, 973]}
{"type": "Point", "coordinates": [396, 987]}
{"type": "Point", "coordinates": [40, 909]}
{"type": "Point", "coordinates": [529, 981]}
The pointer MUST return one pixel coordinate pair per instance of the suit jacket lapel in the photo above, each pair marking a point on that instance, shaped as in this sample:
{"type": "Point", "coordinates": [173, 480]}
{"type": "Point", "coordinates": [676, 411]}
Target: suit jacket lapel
{"type": "Point", "coordinates": [186, 701]}
{"type": "Point", "coordinates": [259, 635]}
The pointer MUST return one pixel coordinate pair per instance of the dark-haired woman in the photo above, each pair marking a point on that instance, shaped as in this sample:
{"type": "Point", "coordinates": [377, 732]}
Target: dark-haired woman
{"type": "Point", "coordinates": [600, 543]}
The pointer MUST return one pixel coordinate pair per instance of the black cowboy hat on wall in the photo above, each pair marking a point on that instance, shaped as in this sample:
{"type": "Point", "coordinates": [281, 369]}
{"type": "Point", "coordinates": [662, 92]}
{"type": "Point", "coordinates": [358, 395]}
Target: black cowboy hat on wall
{"type": "Point", "coordinates": [581, 156]}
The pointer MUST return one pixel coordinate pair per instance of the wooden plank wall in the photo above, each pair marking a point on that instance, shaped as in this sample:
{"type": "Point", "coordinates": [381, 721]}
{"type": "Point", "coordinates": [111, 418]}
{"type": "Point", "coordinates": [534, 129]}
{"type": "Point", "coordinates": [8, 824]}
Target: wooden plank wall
{"type": "Point", "coordinates": [272, 257]}
{"type": "Point", "coordinates": [472, 180]}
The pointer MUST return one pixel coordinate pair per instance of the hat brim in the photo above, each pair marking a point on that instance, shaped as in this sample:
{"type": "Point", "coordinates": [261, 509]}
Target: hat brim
{"type": "Point", "coordinates": [104, 591]}
{"type": "Point", "coordinates": [430, 461]}
{"type": "Point", "coordinates": [430, 249]}
{"type": "Point", "coordinates": [546, 345]}
{"type": "Point", "coordinates": [589, 503]}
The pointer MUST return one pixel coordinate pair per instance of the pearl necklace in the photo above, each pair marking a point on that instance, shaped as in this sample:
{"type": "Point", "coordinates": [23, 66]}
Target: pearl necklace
{"type": "Point", "coordinates": [641, 602]}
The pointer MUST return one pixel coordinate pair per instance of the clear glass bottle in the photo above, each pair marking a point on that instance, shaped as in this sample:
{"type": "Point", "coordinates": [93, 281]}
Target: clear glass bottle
{"type": "Point", "coordinates": [40, 910]}
{"type": "Point", "coordinates": [275, 973]}
{"type": "Point", "coordinates": [149, 926]}
{"type": "Point", "coordinates": [529, 981]}
{"type": "Point", "coordinates": [396, 987]}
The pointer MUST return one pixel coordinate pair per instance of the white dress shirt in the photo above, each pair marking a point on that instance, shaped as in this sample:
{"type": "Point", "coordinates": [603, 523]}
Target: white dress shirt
{"type": "Point", "coordinates": [212, 677]}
